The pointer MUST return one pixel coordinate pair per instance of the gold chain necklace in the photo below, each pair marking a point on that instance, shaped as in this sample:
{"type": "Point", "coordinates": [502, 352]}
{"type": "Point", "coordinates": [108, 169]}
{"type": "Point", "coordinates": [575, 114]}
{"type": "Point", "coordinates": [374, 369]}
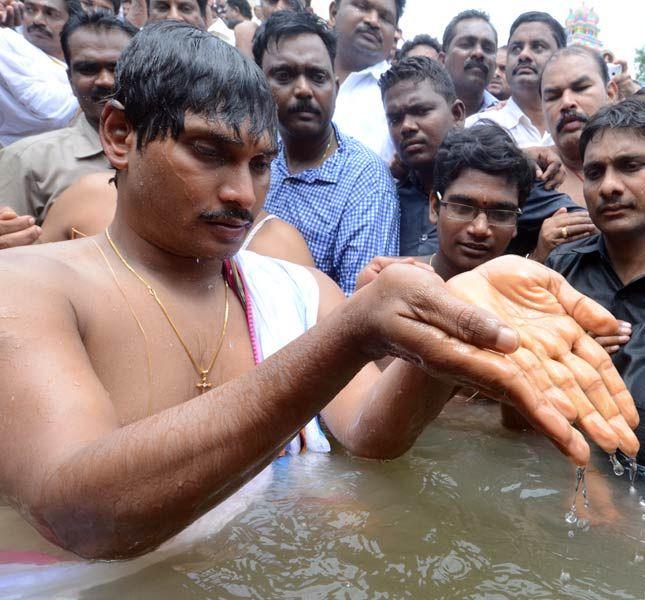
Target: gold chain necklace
{"type": "Point", "coordinates": [203, 373]}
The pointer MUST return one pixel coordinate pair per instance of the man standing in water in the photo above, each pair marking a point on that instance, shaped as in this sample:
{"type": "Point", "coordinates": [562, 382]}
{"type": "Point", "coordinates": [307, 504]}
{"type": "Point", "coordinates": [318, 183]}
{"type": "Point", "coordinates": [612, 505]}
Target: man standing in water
{"type": "Point", "coordinates": [125, 419]}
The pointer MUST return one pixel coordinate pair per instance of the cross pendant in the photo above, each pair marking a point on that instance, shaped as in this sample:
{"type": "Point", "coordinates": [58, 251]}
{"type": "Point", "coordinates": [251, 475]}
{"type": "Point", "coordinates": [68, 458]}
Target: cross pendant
{"type": "Point", "coordinates": [203, 385]}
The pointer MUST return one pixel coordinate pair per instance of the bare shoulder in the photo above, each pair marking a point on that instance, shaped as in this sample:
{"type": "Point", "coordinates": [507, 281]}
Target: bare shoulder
{"type": "Point", "coordinates": [279, 239]}
{"type": "Point", "coordinates": [331, 296]}
{"type": "Point", "coordinates": [87, 205]}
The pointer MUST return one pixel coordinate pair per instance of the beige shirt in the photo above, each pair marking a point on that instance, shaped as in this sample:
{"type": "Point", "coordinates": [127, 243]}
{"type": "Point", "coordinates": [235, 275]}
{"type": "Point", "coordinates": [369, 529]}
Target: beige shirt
{"type": "Point", "coordinates": [36, 169]}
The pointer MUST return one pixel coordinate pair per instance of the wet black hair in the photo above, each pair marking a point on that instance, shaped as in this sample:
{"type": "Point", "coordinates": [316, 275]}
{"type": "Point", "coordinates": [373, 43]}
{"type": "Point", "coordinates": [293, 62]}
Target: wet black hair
{"type": "Point", "coordinates": [485, 147]}
{"type": "Point", "coordinates": [73, 7]}
{"type": "Point", "coordinates": [201, 4]}
{"type": "Point", "coordinates": [99, 20]}
{"type": "Point", "coordinates": [285, 24]}
{"type": "Point", "coordinates": [449, 31]}
{"type": "Point", "coordinates": [243, 7]}
{"type": "Point", "coordinates": [400, 7]}
{"type": "Point", "coordinates": [535, 16]}
{"type": "Point", "coordinates": [171, 67]}
{"type": "Point", "coordinates": [423, 39]}
{"type": "Point", "coordinates": [418, 69]}
{"type": "Point", "coordinates": [294, 5]}
{"type": "Point", "coordinates": [580, 51]}
{"type": "Point", "coordinates": [626, 115]}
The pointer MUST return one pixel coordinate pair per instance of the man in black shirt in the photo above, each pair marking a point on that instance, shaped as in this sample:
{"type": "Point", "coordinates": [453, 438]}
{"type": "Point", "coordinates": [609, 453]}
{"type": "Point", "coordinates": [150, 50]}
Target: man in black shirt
{"type": "Point", "coordinates": [610, 267]}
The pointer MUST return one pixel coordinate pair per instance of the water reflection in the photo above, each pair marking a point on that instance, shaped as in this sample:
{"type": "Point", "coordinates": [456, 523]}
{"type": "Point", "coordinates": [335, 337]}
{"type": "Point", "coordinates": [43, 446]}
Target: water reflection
{"type": "Point", "coordinates": [471, 512]}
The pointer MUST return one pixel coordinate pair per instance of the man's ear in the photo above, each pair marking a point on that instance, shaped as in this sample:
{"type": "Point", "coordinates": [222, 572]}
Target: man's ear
{"type": "Point", "coordinates": [458, 111]}
{"type": "Point", "coordinates": [117, 136]}
{"type": "Point", "coordinates": [333, 11]}
{"type": "Point", "coordinates": [442, 58]}
{"type": "Point", "coordinates": [612, 91]}
{"type": "Point", "coordinates": [434, 208]}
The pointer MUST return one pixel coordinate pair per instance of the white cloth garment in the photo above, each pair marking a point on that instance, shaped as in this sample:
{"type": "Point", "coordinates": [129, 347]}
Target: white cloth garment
{"type": "Point", "coordinates": [251, 234]}
{"type": "Point", "coordinates": [284, 298]}
{"type": "Point", "coordinates": [360, 112]}
{"type": "Point", "coordinates": [35, 95]}
{"type": "Point", "coordinates": [519, 126]}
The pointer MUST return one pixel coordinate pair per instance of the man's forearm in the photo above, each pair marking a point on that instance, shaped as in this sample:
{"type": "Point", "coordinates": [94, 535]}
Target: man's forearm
{"type": "Point", "coordinates": [393, 412]}
{"type": "Point", "coordinates": [129, 491]}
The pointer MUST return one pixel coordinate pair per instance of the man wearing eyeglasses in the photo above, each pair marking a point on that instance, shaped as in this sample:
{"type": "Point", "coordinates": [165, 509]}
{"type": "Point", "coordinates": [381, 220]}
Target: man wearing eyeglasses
{"type": "Point", "coordinates": [481, 181]}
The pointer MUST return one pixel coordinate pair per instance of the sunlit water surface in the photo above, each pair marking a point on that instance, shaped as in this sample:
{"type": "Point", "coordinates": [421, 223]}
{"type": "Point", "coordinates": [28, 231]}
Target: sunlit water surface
{"type": "Point", "coordinates": [472, 511]}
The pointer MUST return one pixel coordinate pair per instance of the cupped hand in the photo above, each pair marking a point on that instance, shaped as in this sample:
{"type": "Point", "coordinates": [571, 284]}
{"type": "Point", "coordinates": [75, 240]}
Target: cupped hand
{"type": "Point", "coordinates": [378, 263]}
{"type": "Point", "coordinates": [567, 368]}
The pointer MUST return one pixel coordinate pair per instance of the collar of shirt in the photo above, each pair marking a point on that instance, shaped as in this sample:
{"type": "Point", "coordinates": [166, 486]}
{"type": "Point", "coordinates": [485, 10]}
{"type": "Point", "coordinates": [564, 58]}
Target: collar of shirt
{"type": "Point", "coordinates": [488, 100]}
{"type": "Point", "coordinates": [85, 139]}
{"type": "Point", "coordinates": [373, 72]}
{"type": "Point", "coordinates": [328, 172]}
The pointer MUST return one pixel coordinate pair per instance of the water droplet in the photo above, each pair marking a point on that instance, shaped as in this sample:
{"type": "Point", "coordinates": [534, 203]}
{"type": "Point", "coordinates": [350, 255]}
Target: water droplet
{"type": "Point", "coordinates": [571, 534]}
{"type": "Point", "coordinates": [571, 518]}
{"type": "Point", "coordinates": [638, 558]}
{"type": "Point", "coordinates": [619, 470]}
{"type": "Point", "coordinates": [632, 490]}
{"type": "Point", "coordinates": [583, 524]}
{"type": "Point", "coordinates": [210, 286]}
{"type": "Point", "coordinates": [641, 502]}
{"type": "Point", "coordinates": [565, 577]}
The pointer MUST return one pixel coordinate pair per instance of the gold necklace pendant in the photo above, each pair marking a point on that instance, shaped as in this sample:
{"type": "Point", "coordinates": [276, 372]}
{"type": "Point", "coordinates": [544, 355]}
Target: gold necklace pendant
{"type": "Point", "coordinates": [203, 385]}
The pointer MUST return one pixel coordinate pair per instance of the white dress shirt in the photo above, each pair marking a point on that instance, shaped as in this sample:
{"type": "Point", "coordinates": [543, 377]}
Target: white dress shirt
{"type": "Point", "coordinates": [512, 118]}
{"type": "Point", "coordinates": [35, 95]}
{"type": "Point", "coordinates": [360, 112]}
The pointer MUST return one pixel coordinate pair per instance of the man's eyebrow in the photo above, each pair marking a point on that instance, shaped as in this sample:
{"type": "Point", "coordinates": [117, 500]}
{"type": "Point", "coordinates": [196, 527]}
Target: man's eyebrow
{"type": "Point", "coordinates": [218, 137]}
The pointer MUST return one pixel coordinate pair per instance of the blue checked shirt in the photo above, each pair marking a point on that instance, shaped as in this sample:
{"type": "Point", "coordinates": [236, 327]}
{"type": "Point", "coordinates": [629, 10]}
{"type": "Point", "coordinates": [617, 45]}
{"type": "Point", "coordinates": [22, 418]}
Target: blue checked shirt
{"type": "Point", "coordinates": [347, 208]}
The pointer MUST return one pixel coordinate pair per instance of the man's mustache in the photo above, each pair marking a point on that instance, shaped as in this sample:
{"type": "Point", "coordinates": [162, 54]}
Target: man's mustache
{"type": "Point", "coordinates": [476, 64]}
{"type": "Point", "coordinates": [40, 28]}
{"type": "Point", "coordinates": [303, 106]}
{"type": "Point", "coordinates": [568, 116]}
{"type": "Point", "coordinates": [100, 95]}
{"type": "Point", "coordinates": [227, 213]}
{"type": "Point", "coordinates": [524, 65]}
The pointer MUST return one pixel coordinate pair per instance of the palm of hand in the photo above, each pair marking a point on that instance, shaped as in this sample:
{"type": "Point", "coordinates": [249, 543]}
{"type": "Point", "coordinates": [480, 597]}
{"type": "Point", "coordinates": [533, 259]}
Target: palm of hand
{"type": "Point", "coordinates": [568, 367]}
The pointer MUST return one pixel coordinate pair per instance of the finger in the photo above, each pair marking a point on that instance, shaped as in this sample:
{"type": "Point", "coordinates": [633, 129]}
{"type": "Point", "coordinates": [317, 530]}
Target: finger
{"type": "Point", "coordinates": [541, 379]}
{"type": "Point", "coordinates": [588, 350]}
{"type": "Point", "coordinates": [588, 313]}
{"type": "Point", "coordinates": [573, 219]}
{"type": "Point", "coordinates": [7, 213]}
{"type": "Point", "coordinates": [612, 340]}
{"type": "Point", "coordinates": [15, 224]}
{"type": "Point", "coordinates": [599, 409]}
{"type": "Point", "coordinates": [569, 239]}
{"type": "Point", "coordinates": [467, 322]}
{"type": "Point", "coordinates": [22, 238]}
{"type": "Point", "coordinates": [498, 377]}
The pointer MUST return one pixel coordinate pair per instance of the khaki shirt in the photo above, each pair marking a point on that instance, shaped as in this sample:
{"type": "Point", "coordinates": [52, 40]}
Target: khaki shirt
{"type": "Point", "coordinates": [36, 169]}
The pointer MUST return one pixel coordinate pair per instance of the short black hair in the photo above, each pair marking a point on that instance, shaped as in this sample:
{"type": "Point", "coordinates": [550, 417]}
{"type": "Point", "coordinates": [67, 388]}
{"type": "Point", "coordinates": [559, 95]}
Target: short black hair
{"type": "Point", "coordinates": [99, 20]}
{"type": "Point", "coordinates": [626, 115]}
{"type": "Point", "coordinates": [449, 31]}
{"type": "Point", "coordinates": [294, 5]}
{"type": "Point", "coordinates": [285, 24]}
{"type": "Point", "coordinates": [423, 39]}
{"type": "Point", "coordinates": [579, 51]}
{"type": "Point", "coordinates": [536, 16]}
{"type": "Point", "coordinates": [400, 7]}
{"type": "Point", "coordinates": [171, 68]}
{"type": "Point", "coordinates": [418, 69]}
{"type": "Point", "coordinates": [485, 147]}
{"type": "Point", "coordinates": [73, 7]}
{"type": "Point", "coordinates": [200, 3]}
{"type": "Point", "coordinates": [243, 7]}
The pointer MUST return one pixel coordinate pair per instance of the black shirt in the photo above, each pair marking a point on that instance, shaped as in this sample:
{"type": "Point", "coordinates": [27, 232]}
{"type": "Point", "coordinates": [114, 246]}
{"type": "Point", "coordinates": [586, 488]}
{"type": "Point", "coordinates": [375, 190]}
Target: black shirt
{"type": "Point", "coordinates": [586, 266]}
{"type": "Point", "coordinates": [419, 237]}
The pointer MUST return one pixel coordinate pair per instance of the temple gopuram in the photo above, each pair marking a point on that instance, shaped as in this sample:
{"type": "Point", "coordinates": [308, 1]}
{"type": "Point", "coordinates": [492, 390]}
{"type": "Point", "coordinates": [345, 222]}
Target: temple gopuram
{"type": "Point", "coordinates": [582, 28]}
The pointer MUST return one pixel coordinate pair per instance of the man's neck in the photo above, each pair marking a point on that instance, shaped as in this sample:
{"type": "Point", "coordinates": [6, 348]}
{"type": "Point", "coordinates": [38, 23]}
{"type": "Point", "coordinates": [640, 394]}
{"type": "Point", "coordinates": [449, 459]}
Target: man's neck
{"type": "Point", "coordinates": [529, 103]}
{"type": "Point", "coordinates": [425, 176]}
{"type": "Point", "coordinates": [155, 263]}
{"type": "Point", "coordinates": [571, 159]}
{"type": "Point", "coordinates": [627, 256]}
{"type": "Point", "coordinates": [306, 153]}
{"type": "Point", "coordinates": [472, 99]}
{"type": "Point", "coordinates": [346, 63]}
{"type": "Point", "coordinates": [443, 266]}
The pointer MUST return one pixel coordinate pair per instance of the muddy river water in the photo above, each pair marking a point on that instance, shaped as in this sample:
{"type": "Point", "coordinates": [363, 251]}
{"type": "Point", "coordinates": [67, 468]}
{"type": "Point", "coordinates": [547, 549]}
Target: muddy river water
{"type": "Point", "coordinates": [472, 511]}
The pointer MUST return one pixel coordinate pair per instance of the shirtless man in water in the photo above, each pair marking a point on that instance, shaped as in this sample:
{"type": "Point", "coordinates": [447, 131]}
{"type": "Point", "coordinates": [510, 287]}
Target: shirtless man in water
{"type": "Point", "coordinates": [114, 441]}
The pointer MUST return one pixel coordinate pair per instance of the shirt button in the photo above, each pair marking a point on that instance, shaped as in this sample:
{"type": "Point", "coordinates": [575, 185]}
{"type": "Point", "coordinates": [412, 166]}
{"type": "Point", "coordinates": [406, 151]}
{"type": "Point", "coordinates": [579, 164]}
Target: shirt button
{"type": "Point", "coordinates": [424, 237]}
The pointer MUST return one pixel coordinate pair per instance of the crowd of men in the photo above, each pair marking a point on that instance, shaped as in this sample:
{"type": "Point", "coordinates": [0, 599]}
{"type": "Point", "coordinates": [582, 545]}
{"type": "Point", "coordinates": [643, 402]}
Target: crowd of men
{"type": "Point", "coordinates": [268, 203]}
